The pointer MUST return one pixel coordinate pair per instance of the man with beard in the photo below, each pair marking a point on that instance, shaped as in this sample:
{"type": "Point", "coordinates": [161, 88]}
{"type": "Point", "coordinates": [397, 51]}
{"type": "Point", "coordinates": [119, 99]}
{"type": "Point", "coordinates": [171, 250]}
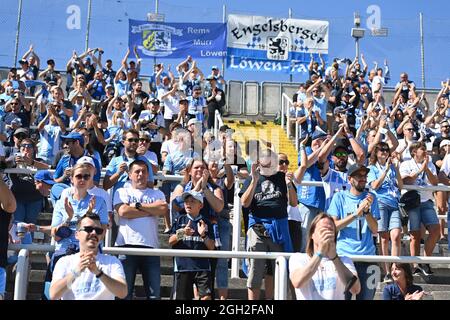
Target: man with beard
{"type": "Point", "coordinates": [88, 275]}
{"type": "Point", "coordinates": [267, 195]}
{"type": "Point", "coordinates": [355, 213]}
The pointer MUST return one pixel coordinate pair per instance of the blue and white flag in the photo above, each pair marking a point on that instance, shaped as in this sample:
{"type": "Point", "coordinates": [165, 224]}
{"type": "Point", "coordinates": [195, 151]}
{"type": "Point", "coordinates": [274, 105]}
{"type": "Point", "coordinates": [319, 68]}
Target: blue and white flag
{"type": "Point", "coordinates": [272, 44]}
{"type": "Point", "coordinates": [177, 40]}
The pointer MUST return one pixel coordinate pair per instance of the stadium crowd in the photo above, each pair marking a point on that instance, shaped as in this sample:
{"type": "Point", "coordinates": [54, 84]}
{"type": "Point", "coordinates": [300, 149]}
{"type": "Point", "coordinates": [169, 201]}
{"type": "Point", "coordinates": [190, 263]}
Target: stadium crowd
{"type": "Point", "coordinates": [102, 119]}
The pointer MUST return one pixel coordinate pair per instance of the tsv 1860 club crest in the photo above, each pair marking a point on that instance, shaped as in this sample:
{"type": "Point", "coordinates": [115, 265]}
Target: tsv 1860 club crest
{"type": "Point", "coordinates": [156, 39]}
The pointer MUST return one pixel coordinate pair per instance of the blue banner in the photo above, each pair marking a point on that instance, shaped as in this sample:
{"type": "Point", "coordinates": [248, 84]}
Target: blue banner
{"type": "Point", "coordinates": [177, 40]}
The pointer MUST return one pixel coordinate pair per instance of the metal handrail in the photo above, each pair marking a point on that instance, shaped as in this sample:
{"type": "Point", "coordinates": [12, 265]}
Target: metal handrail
{"type": "Point", "coordinates": [281, 272]}
{"type": "Point", "coordinates": [21, 281]}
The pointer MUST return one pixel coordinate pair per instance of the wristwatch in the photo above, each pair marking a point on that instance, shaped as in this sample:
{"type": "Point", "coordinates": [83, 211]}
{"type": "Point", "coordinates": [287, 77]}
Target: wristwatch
{"type": "Point", "coordinates": [138, 205]}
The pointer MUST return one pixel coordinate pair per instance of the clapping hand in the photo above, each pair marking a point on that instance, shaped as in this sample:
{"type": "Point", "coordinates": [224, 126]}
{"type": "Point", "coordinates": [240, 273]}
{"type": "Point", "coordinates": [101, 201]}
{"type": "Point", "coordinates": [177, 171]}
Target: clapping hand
{"type": "Point", "coordinates": [188, 229]}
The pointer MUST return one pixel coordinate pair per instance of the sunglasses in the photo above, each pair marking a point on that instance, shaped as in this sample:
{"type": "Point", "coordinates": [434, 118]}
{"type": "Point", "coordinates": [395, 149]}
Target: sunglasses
{"type": "Point", "coordinates": [98, 231]}
{"type": "Point", "coordinates": [133, 140]}
{"type": "Point", "coordinates": [282, 162]}
{"type": "Point", "coordinates": [144, 140]}
{"type": "Point", "coordinates": [409, 129]}
{"type": "Point", "coordinates": [445, 127]}
{"type": "Point", "coordinates": [341, 154]}
{"type": "Point", "coordinates": [83, 176]}
{"type": "Point", "coordinates": [14, 104]}
{"type": "Point", "coordinates": [383, 149]}
{"type": "Point", "coordinates": [28, 145]}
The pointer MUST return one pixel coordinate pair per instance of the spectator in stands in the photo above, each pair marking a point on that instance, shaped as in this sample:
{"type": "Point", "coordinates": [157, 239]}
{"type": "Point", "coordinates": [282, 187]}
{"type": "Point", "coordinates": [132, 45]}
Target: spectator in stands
{"type": "Point", "coordinates": [29, 200]}
{"type": "Point", "coordinates": [139, 207]}
{"type": "Point", "coordinates": [152, 121]}
{"type": "Point", "coordinates": [17, 108]}
{"type": "Point", "coordinates": [138, 98]}
{"type": "Point", "coordinates": [121, 84]}
{"type": "Point", "coordinates": [403, 287]}
{"type": "Point", "coordinates": [197, 105]}
{"type": "Point", "coordinates": [50, 74]}
{"type": "Point", "coordinates": [170, 145]}
{"type": "Point", "coordinates": [172, 104]}
{"type": "Point", "coordinates": [263, 192]}
{"type": "Point", "coordinates": [192, 78]}
{"type": "Point", "coordinates": [197, 178]}
{"type": "Point", "coordinates": [63, 107]}
{"type": "Point", "coordinates": [97, 86]}
{"type": "Point", "coordinates": [420, 171]}
{"type": "Point", "coordinates": [108, 73]}
{"type": "Point", "coordinates": [7, 208]}
{"type": "Point", "coordinates": [404, 145]}
{"type": "Point", "coordinates": [386, 182]}
{"type": "Point", "coordinates": [224, 178]}
{"type": "Point", "coordinates": [74, 141]}
{"type": "Point", "coordinates": [320, 265]}
{"type": "Point", "coordinates": [18, 136]}
{"type": "Point", "coordinates": [117, 170]}
{"type": "Point", "coordinates": [134, 69]}
{"type": "Point", "coordinates": [143, 150]}
{"type": "Point", "coordinates": [355, 213]}
{"type": "Point", "coordinates": [215, 100]}
{"type": "Point", "coordinates": [50, 135]}
{"type": "Point", "coordinates": [88, 275]}
{"type": "Point", "coordinates": [91, 152]}
{"type": "Point", "coordinates": [407, 86]}
{"type": "Point", "coordinates": [67, 211]}
{"type": "Point", "coordinates": [311, 199]}
{"type": "Point", "coordinates": [314, 68]}
{"type": "Point", "coordinates": [308, 118]}
{"type": "Point", "coordinates": [192, 231]}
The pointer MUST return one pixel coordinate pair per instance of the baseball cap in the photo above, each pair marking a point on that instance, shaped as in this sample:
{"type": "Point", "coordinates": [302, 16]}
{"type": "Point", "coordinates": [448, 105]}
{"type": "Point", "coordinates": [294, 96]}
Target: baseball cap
{"type": "Point", "coordinates": [357, 167]}
{"type": "Point", "coordinates": [21, 130]}
{"type": "Point", "coordinates": [109, 85]}
{"type": "Point", "coordinates": [214, 68]}
{"type": "Point", "coordinates": [444, 143]}
{"type": "Point", "coordinates": [86, 160]}
{"type": "Point", "coordinates": [44, 176]}
{"type": "Point", "coordinates": [319, 134]}
{"type": "Point", "coordinates": [74, 136]}
{"type": "Point", "coordinates": [194, 194]}
{"type": "Point", "coordinates": [196, 87]}
{"type": "Point", "coordinates": [154, 101]}
{"type": "Point", "coordinates": [22, 61]}
{"type": "Point", "coordinates": [50, 61]}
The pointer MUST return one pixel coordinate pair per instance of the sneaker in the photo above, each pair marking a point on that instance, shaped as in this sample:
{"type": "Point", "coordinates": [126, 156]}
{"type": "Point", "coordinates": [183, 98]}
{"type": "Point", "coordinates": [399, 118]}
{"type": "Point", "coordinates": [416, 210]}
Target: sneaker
{"type": "Point", "coordinates": [388, 278]}
{"type": "Point", "coordinates": [166, 231]}
{"type": "Point", "coordinates": [425, 269]}
{"type": "Point", "coordinates": [417, 271]}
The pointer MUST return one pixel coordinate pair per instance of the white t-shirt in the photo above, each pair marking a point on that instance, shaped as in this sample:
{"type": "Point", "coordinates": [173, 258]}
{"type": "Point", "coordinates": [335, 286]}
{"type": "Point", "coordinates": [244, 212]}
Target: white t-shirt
{"type": "Point", "coordinates": [87, 286]}
{"type": "Point", "coordinates": [325, 283]}
{"type": "Point", "coordinates": [409, 167]}
{"type": "Point", "coordinates": [95, 191]}
{"type": "Point", "coordinates": [140, 231]}
{"type": "Point", "coordinates": [169, 146]}
{"type": "Point", "coordinates": [171, 106]}
{"type": "Point", "coordinates": [406, 155]}
{"type": "Point", "coordinates": [152, 158]}
{"type": "Point", "coordinates": [375, 81]}
{"type": "Point", "coordinates": [294, 214]}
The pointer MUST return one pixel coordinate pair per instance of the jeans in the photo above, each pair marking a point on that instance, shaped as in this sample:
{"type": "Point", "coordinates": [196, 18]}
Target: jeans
{"type": "Point", "coordinates": [222, 263]}
{"type": "Point", "coordinates": [424, 214]}
{"type": "Point", "coordinates": [369, 276]}
{"type": "Point", "coordinates": [28, 211]}
{"type": "Point", "coordinates": [2, 281]}
{"type": "Point", "coordinates": [150, 268]}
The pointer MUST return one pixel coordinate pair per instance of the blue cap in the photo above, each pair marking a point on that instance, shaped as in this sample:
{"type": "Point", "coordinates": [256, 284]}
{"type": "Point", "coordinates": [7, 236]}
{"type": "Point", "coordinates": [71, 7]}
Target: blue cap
{"type": "Point", "coordinates": [319, 134]}
{"type": "Point", "coordinates": [45, 176]}
{"type": "Point", "coordinates": [196, 87]}
{"type": "Point", "coordinates": [74, 136]}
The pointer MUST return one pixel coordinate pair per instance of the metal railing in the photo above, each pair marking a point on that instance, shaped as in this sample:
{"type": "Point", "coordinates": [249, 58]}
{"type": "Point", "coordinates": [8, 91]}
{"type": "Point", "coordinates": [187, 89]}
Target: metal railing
{"type": "Point", "coordinates": [281, 266]}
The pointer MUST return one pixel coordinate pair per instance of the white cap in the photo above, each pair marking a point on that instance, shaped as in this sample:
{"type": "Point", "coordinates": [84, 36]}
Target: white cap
{"type": "Point", "coordinates": [86, 159]}
{"type": "Point", "coordinates": [444, 143]}
{"type": "Point", "coordinates": [194, 194]}
{"type": "Point", "coordinates": [192, 121]}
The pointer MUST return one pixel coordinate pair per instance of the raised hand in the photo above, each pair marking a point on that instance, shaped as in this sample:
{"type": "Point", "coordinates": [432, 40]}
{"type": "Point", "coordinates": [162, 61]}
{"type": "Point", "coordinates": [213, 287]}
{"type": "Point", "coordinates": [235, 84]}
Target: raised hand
{"type": "Point", "coordinates": [255, 171]}
{"type": "Point", "coordinates": [305, 140]}
{"type": "Point", "coordinates": [91, 205]}
{"type": "Point", "coordinates": [69, 208]}
{"type": "Point", "coordinates": [202, 228]}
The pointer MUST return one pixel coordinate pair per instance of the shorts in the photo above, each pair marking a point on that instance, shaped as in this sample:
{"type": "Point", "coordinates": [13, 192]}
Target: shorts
{"type": "Point", "coordinates": [256, 267]}
{"type": "Point", "coordinates": [425, 214]}
{"type": "Point", "coordinates": [389, 218]}
{"type": "Point", "coordinates": [184, 282]}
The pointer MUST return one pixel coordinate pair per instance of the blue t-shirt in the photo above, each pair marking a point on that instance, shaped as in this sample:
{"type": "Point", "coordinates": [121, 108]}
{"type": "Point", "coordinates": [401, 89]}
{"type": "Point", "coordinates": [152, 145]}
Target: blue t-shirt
{"type": "Point", "coordinates": [311, 196]}
{"type": "Point", "coordinates": [194, 242]}
{"type": "Point", "coordinates": [50, 141]}
{"type": "Point", "coordinates": [68, 161]}
{"type": "Point", "coordinates": [355, 238]}
{"type": "Point", "coordinates": [388, 193]}
{"type": "Point", "coordinates": [392, 291]}
{"type": "Point", "coordinates": [79, 209]}
{"type": "Point", "coordinates": [309, 126]}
